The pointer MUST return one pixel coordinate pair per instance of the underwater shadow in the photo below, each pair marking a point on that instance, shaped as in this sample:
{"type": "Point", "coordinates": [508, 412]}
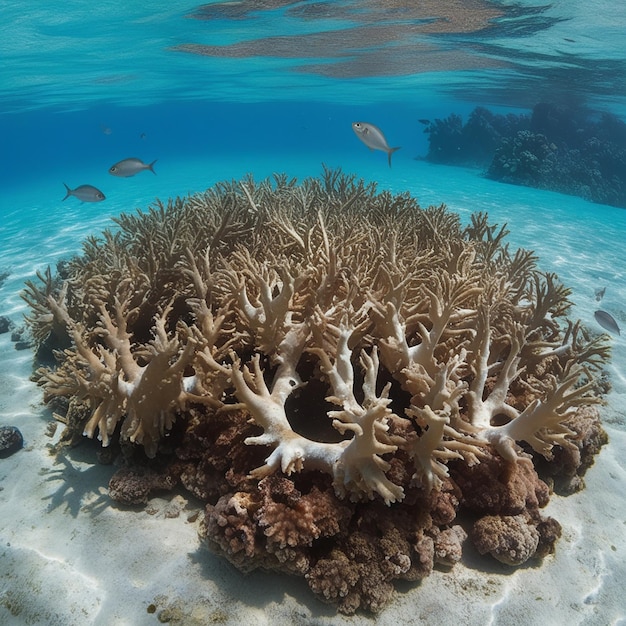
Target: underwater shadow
{"type": "Point", "coordinates": [262, 588]}
{"type": "Point", "coordinates": [81, 489]}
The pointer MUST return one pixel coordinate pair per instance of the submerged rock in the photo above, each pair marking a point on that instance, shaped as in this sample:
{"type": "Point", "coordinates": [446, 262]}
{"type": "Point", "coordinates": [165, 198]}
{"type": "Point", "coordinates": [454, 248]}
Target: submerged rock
{"type": "Point", "coordinates": [11, 440]}
{"type": "Point", "coordinates": [5, 324]}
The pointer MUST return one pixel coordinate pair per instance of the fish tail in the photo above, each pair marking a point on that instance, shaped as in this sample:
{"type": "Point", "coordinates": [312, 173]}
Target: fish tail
{"type": "Point", "coordinates": [68, 194]}
{"type": "Point", "coordinates": [150, 166]}
{"type": "Point", "coordinates": [391, 151]}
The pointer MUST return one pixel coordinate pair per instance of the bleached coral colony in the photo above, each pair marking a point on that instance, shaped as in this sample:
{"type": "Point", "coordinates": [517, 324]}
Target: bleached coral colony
{"type": "Point", "coordinates": [335, 371]}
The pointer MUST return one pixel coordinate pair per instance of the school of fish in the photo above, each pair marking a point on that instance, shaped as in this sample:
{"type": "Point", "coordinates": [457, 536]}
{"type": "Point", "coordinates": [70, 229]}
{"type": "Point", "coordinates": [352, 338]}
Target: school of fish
{"type": "Point", "coordinates": [122, 169]}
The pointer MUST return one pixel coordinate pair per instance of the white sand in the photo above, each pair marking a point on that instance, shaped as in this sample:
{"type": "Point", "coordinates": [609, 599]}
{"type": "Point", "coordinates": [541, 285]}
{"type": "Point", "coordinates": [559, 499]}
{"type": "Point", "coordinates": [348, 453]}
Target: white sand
{"type": "Point", "coordinates": [68, 557]}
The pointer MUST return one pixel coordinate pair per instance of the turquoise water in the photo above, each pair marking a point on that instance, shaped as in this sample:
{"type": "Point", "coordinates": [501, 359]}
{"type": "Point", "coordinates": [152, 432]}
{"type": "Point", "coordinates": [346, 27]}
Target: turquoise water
{"type": "Point", "coordinates": [220, 90]}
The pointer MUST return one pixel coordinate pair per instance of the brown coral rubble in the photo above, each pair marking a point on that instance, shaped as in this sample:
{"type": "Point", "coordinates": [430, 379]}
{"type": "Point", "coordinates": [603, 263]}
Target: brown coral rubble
{"type": "Point", "coordinates": [335, 371]}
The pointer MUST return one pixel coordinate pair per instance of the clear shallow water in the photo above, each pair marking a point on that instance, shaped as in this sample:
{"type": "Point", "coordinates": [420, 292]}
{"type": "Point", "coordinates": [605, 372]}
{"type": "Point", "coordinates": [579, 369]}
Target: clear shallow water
{"type": "Point", "coordinates": [216, 98]}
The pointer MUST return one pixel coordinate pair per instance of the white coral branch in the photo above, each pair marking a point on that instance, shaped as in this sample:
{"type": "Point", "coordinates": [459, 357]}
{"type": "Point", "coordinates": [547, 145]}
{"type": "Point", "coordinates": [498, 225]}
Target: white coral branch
{"type": "Point", "coordinates": [267, 409]}
{"type": "Point", "coordinates": [356, 463]}
{"type": "Point", "coordinates": [437, 444]}
{"type": "Point", "coordinates": [361, 468]}
{"type": "Point", "coordinates": [269, 314]}
{"type": "Point", "coordinates": [483, 410]}
{"type": "Point", "coordinates": [146, 396]}
{"type": "Point", "coordinates": [541, 424]}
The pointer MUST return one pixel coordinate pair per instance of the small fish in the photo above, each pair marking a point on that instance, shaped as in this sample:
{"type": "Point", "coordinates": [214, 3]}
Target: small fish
{"type": "Point", "coordinates": [130, 167]}
{"type": "Point", "coordinates": [606, 321]}
{"type": "Point", "coordinates": [424, 121]}
{"type": "Point", "coordinates": [86, 193]}
{"type": "Point", "coordinates": [105, 129]}
{"type": "Point", "coordinates": [599, 293]}
{"type": "Point", "coordinates": [373, 138]}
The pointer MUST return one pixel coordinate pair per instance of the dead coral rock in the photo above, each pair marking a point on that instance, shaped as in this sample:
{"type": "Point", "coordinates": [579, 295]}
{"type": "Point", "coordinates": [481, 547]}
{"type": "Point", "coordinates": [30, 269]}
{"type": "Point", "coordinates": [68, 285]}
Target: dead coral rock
{"type": "Point", "coordinates": [229, 528]}
{"type": "Point", "coordinates": [444, 503]}
{"type": "Point", "coordinates": [355, 579]}
{"type": "Point", "coordinates": [383, 544]}
{"type": "Point", "coordinates": [169, 509]}
{"type": "Point", "coordinates": [75, 414]}
{"type": "Point", "coordinates": [549, 531]}
{"type": "Point", "coordinates": [334, 579]}
{"type": "Point", "coordinates": [284, 525]}
{"type": "Point", "coordinates": [423, 561]}
{"type": "Point", "coordinates": [213, 459]}
{"type": "Point", "coordinates": [289, 518]}
{"type": "Point", "coordinates": [399, 530]}
{"type": "Point", "coordinates": [276, 527]}
{"type": "Point", "coordinates": [6, 324]}
{"type": "Point", "coordinates": [202, 480]}
{"type": "Point", "coordinates": [134, 485]}
{"type": "Point", "coordinates": [508, 538]}
{"type": "Point", "coordinates": [292, 521]}
{"type": "Point", "coordinates": [497, 487]}
{"type": "Point", "coordinates": [448, 545]}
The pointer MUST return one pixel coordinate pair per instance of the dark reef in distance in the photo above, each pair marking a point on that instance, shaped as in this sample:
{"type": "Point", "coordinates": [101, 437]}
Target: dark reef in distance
{"type": "Point", "coordinates": [564, 149]}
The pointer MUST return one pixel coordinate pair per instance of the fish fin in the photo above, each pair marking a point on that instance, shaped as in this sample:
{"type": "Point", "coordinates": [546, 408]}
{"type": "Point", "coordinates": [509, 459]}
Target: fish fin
{"type": "Point", "coordinates": [150, 166]}
{"type": "Point", "coordinates": [68, 194]}
{"type": "Point", "coordinates": [391, 151]}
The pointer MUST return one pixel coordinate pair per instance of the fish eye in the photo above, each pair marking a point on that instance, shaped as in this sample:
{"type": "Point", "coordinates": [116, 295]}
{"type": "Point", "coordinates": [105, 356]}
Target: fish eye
{"type": "Point", "coordinates": [357, 124]}
{"type": "Point", "coordinates": [113, 169]}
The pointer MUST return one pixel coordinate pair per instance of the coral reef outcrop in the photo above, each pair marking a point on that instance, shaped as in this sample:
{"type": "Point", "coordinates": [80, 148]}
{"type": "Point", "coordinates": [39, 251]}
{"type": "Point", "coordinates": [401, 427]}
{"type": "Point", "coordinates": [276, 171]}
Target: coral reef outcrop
{"type": "Point", "coordinates": [474, 142]}
{"type": "Point", "coordinates": [560, 148]}
{"type": "Point", "coordinates": [334, 371]}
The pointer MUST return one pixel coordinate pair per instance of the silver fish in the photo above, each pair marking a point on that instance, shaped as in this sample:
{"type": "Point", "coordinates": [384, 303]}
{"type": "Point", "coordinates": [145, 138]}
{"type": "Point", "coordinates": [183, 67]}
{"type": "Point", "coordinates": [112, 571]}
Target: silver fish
{"type": "Point", "coordinates": [86, 193]}
{"type": "Point", "coordinates": [130, 167]}
{"type": "Point", "coordinates": [599, 293]}
{"type": "Point", "coordinates": [606, 321]}
{"type": "Point", "coordinates": [373, 138]}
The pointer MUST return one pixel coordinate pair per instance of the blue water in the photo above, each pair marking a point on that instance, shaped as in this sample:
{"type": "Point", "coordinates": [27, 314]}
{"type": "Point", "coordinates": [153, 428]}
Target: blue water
{"type": "Point", "coordinates": [218, 91]}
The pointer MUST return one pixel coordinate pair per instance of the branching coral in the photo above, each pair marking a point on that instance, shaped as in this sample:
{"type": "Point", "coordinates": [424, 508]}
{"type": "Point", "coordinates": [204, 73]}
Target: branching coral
{"type": "Point", "coordinates": [142, 387]}
{"type": "Point", "coordinates": [334, 369]}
